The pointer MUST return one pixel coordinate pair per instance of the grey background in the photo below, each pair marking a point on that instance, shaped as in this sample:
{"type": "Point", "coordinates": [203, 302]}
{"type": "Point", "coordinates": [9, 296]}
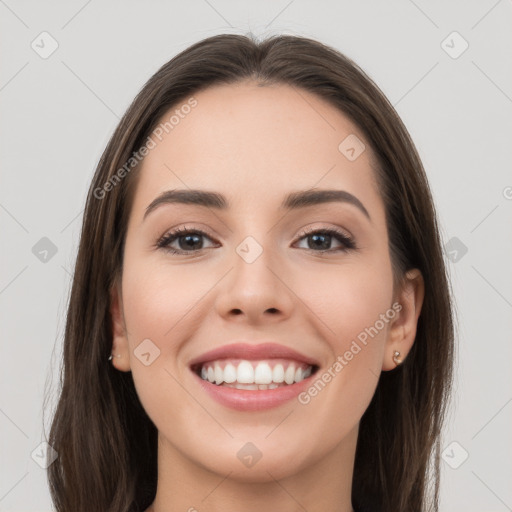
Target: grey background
{"type": "Point", "coordinates": [59, 112]}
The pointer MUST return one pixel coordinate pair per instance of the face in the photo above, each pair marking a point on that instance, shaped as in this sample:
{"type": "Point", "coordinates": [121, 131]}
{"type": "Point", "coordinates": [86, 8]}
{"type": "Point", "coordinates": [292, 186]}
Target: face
{"type": "Point", "coordinates": [313, 279]}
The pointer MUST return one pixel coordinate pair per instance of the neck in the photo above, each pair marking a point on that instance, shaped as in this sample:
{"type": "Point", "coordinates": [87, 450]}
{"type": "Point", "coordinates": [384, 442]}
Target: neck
{"type": "Point", "coordinates": [325, 484]}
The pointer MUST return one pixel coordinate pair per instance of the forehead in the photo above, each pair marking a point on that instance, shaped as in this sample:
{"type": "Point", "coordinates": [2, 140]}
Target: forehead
{"type": "Point", "coordinates": [254, 143]}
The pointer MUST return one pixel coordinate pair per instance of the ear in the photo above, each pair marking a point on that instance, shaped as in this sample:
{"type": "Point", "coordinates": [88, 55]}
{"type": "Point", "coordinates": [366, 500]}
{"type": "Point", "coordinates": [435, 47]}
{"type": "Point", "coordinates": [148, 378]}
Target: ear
{"type": "Point", "coordinates": [120, 347]}
{"type": "Point", "coordinates": [402, 331]}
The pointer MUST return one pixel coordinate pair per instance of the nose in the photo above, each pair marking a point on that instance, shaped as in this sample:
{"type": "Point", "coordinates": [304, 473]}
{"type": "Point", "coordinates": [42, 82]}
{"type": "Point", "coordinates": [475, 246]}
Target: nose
{"type": "Point", "coordinates": [255, 290]}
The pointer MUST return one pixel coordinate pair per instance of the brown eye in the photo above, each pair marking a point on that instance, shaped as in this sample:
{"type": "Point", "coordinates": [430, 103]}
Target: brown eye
{"type": "Point", "coordinates": [188, 241]}
{"type": "Point", "coordinates": [320, 240]}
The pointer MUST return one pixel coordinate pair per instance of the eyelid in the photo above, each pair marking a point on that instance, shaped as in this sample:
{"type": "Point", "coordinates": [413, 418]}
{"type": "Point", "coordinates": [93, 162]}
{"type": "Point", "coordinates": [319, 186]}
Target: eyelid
{"type": "Point", "coordinates": [181, 231]}
{"type": "Point", "coordinates": [313, 229]}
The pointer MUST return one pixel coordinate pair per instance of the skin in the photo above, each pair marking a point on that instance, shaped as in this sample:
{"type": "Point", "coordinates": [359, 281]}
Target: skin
{"type": "Point", "coordinates": [255, 145]}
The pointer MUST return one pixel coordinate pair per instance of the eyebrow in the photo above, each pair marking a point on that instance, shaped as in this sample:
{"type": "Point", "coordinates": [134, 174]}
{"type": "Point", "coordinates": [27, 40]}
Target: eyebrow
{"type": "Point", "coordinates": [292, 201]}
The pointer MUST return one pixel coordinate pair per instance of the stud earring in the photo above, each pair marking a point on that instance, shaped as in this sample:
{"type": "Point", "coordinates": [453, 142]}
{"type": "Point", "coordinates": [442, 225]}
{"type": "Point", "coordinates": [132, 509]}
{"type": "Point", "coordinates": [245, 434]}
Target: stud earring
{"type": "Point", "coordinates": [118, 355]}
{"type": "Point", "coordinates": [396, 358]}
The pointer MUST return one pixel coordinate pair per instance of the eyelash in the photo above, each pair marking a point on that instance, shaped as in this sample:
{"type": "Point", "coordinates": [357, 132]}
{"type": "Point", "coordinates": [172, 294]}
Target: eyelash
{"type": "Point", "coordinates": [347, 241]}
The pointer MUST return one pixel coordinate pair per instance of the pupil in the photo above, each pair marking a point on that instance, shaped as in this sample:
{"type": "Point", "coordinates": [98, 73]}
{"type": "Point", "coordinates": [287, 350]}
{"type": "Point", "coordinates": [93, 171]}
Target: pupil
{"type": "Point", "coordinates": [325, 245]}
{"type": "Point", "coordinates": [190, 243]}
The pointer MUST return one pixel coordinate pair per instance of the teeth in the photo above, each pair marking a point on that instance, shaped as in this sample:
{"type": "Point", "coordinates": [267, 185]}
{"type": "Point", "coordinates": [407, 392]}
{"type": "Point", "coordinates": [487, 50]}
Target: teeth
{"type": "Point", "coordinates": [246, 386]}
{"type": "Point", "coordinates": [229, 373]}
{"type": "Point", "coordinates": [278, 373]}
{"type": "Point", "coordinates": [219, 374]}
{"type": "Point", "coordinates": [289, 374]}
{"type": "Point", "coordinates": [245, 373]}
{"type": "Point", "coordinates": [254, 375]}
{"type": "Point", "coordinates": [253, 386]}
{"type": "Point", "coordinates": [263, 374]}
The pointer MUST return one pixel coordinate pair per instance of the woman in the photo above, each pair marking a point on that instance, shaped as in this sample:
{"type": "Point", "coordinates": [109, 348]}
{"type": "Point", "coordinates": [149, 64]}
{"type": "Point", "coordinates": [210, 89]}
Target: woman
{"type": "Point", "coordinates": [260, 316]}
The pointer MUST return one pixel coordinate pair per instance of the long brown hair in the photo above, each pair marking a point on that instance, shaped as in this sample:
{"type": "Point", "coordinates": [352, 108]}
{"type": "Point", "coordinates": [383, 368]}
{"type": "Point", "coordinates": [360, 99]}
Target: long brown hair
{"type": "Point", "coordinates": [106, 444]}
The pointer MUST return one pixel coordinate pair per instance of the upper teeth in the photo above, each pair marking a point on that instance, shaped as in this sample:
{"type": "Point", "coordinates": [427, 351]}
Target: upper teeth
{"type": "Point", "coordinates": [254, 372]}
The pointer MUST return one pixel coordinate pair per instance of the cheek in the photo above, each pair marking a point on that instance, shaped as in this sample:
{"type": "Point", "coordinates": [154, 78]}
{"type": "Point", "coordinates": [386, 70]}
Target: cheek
{"type": "Point", "coordinates": [350, 300]}
{"type": "Point", "coordinates": [157, 297]}
{"type": "Point", "coordinates": [356, 313]}
{"type": "Point", "coordinates": [155, 306]}
{"type": "Point", "coordinates": [163, 303]}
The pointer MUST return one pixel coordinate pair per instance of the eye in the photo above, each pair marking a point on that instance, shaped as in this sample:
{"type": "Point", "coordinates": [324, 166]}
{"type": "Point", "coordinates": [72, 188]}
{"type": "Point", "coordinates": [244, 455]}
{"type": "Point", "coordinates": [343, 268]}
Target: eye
{"type": "Point", "coordinates": [189, 241]}
{"type": "Point", "coordinates": [321, 239]}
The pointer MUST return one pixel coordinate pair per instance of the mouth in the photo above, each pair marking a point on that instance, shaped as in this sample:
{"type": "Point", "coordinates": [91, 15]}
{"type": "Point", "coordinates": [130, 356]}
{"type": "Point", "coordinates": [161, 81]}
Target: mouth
{"type": "Point", "coordinates": [253, 377]}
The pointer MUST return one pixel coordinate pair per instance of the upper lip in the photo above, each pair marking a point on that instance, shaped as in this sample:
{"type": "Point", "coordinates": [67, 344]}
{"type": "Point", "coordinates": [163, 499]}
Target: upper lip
{"type": "Point", "coordinates": [249, 351]}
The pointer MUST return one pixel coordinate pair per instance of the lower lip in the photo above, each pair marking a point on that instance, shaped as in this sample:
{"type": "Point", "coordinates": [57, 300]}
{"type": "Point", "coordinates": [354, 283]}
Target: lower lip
{"type": "Point", "coordinates": [252, 399]}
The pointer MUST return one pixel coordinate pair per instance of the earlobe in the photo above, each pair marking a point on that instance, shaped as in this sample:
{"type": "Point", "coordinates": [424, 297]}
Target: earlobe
{"type": "Point", "coordinates": [120, 347]}
{"type": "Point", "coordinates": [402, 332]}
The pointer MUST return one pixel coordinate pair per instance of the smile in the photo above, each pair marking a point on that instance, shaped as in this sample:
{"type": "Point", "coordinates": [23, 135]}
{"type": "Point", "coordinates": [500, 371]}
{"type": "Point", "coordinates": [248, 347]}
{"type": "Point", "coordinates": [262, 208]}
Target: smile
{"type": "Point", "coordinates": [251, 377]}
{"type": "Point", "coordinates": [254, 375]}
